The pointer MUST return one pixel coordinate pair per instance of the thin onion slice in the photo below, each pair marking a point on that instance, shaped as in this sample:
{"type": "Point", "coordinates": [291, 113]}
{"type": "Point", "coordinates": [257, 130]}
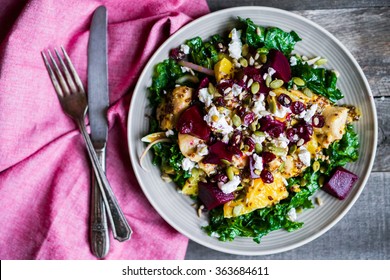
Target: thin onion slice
{"type": "Point", "coordinates": [148, 148]}
{"type": "Point", "coordinates": [196, 67]}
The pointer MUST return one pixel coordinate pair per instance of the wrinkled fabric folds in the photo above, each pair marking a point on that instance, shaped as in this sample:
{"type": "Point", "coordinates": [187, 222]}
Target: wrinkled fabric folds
{"type": "Point", "coordinates": [45, 173]}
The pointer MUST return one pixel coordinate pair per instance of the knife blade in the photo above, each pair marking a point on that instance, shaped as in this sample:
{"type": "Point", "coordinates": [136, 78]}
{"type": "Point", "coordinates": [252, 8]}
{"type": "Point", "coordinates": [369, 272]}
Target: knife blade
{"type": "Point", "coordinates": [98, 102]}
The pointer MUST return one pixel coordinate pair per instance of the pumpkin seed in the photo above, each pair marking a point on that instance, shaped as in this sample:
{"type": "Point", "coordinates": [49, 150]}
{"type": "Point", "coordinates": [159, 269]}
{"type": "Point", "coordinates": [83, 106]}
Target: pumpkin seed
{"type": "Point", "coordinates": [303, 182]}
{"type": "Point", "coordinates": [263, 58]}
{"type": "Point", "coordinates": [298, 81]}
{"type": "Point", "coordinates": [276, 84]}
{"type": "Point", "coordinates": [236, 120]}
{"type": "Point", "coordinates": [230, 173]}
{"type": "Point", "coordinates": [316, 166]}
{"type": "Point", "coordinates": [259, 133]}
{"type": "Point", "coordinates": [321, 61]}
{"type": "Point", "coordinates": [292, 149]}
{"type": "Point", "coordinates": [255, 87]}
{"type": "Point", "coordinates": [258, 148]}
{"type": "Point", "coordinates": [272, 105]}
{"type": "Point", "coordinates": [245, 50]}
{"type": "Point", "coordinates": [226, 162]}
{"type": "Point", "coordinates": [211, 89]}
{"type": "Point", "coordinates": [243, 62]}
{"type": "Point", "coordinates": [307, 92]}
{"type": "Point", "coordinates": [252, 126]}
{"type": "Point", "coordinates": [268, 80]}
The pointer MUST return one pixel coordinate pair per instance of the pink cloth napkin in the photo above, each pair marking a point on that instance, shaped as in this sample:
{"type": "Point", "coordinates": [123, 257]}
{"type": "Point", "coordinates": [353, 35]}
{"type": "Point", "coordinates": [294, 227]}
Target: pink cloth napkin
{"type": "Point", "coordinates": [45, 172]}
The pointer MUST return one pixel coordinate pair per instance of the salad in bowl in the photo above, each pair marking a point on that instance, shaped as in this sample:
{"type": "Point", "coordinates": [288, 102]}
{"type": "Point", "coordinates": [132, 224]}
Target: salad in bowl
{"type": "Point", "coordinates": [250, 129]}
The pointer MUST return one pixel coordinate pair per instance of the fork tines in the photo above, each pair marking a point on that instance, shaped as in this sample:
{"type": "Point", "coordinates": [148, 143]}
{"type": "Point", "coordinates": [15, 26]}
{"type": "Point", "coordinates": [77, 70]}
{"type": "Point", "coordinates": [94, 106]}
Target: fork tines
{"type": "Point", "coordinates": [63, 86]}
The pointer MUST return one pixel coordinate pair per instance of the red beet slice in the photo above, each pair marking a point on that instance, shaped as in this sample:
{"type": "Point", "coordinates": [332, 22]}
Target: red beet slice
{"type": "Point", "coordinates": [191, 122]}
{"type": "Point", "coordinates": [280, 64]}
{"type": "Point", "coordinates": [220, 150]}
{"type": "Point", "coordinates": [212, 196]}
{"type": "Point", "coordinates": [341, 183]}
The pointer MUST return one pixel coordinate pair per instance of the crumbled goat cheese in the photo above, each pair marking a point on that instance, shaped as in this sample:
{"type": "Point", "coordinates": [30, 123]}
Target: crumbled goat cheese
{"type": "Point", "coordinates": [169, 132]}
{"type": "Point", "coordinates": [293, 61]}
{"type": "Point", "coordinates": [202, 150]}
{"type": "Point", "coordinates": [236, 90]}
{"type": "Point", "coordinates": [258, 139]}
{"type": "Point", "coordinates": [292, 214]}
{"type": "Point", "coordinates": [205, 97]}
{"type": "Point", "coordinates": [310, 113]}
{"type": "Point", "coordinates": [258, 162]}
{"type": "Point", "coordinates": [230, 186]}
{"type": "Point", "coordinates": [220, 124]}
{"type": "Point", "coordinates": [281, 141]}
{"type": "Point", "coordinates": [259, 105]}
{"type": "Point", "coordinates": [187, 164]}
{"type": "Point", "coordinates": [235, 45]}
{"type": "Point", "coordinates": [271, 72]}
{"type": "Point", "coordinates": [304, 156]}
{"type": "Point", "coordinates": [281, 111]}
{"type": "Point", "coordinates": [185, 49]}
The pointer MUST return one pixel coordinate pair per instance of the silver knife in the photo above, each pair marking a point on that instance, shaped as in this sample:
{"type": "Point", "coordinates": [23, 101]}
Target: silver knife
{"type": "Point", "coordinates": [98, 103]}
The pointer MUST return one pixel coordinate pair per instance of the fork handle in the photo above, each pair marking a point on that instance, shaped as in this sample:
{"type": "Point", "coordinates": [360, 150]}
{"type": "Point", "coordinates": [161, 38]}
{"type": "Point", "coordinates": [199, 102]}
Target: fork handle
{"type": "Point", "coordinates": [119, 225]}
{"type": "Point", "coordinates": [100, 241]}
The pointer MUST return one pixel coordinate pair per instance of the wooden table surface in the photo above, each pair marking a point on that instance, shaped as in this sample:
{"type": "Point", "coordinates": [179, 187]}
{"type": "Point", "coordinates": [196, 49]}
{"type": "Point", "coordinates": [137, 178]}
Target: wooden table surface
{"type": "Point", "coordinates": [363, 26]}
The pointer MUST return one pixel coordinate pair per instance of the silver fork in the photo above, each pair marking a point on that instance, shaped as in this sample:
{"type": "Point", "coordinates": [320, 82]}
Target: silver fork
{"type": "Point", "coordinates": [71, 94]}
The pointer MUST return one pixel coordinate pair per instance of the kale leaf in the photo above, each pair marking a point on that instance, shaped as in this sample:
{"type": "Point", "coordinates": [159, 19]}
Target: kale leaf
{"type": "Point", "coordinates": [343, 151]}
{"type": "Point", "coordinates": [268, 37]}
{"type": "Point", "coordinates": [169, 157]}
{"type": "Point", "coordinates": [203, 53]}
{"type": "Point", "coordinates": [164, 77]}
{"type": "Point", "coordinates": [320, 80]}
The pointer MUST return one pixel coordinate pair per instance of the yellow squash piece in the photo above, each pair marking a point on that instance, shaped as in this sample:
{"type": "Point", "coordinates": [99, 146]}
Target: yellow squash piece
{"type": "Point", "coordinates": [258, 196]}
{"type": "Point", "coordinates": [223, 69]}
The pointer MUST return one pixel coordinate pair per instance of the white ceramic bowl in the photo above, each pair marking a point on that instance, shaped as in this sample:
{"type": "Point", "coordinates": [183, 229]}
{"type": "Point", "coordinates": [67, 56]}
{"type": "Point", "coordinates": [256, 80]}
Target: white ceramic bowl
{"type": "Point", "coordinates": [176, 209]}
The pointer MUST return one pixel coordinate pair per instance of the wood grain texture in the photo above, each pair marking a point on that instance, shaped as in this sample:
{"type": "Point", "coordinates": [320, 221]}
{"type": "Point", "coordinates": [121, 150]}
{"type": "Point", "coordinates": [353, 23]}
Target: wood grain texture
{"type": "Point", "coordinates": [359, 235]}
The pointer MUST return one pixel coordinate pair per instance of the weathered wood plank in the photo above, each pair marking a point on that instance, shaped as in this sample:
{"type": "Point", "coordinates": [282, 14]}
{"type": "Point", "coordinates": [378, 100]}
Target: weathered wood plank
{"type": "Point", "coordinates": [297, 5]}
{"type": "Point", "coordinates": [382, 160]}
{"type": "Point", "coordinates": [361, 234]}
{"type": "Point", "coordinates": [366, 33]}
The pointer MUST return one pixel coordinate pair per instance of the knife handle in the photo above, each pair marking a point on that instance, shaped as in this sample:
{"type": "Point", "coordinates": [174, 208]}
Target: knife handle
{"type": "Point", "coordinates": [119, 225]}
{"type": "Point", "coordinates": [100, 240]}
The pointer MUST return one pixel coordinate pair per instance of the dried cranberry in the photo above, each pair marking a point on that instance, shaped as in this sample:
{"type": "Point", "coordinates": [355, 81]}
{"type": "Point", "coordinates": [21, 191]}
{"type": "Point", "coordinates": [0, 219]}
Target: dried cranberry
{"type": "Point", "coordinates": [220, 177]}
{"type": "Point", "coordinates": [267, 176]}
{"type": "Point", "coordinates": [304, 130]}
{"type": "Point", "coordinates": [298, 107]}
{"type": "Point", "coordinates": [273, 127]}
{"type": "Point", "coordinates": [241, 112]}
{"type": "Point", "coordinates": [219, 102]}
{"type": "Point", "coordinates": [292, 134]}
{"type": "Point", "coordinates": [176, 54]}
{"type": "Point", "coordinates": [236, 138]}
{"type": "Point", "coordinates": [284, 100]}
{"type": "Point", "coordinates": [318, 121]}
{"type": "Point", "coordinates": [249, 117]}
{"type": "Point", "coordinates": [267, 157]}
{"type": "Point", "coordinates": [251, 144]}
{"type": "Point", "coordinates": [222, 86]}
